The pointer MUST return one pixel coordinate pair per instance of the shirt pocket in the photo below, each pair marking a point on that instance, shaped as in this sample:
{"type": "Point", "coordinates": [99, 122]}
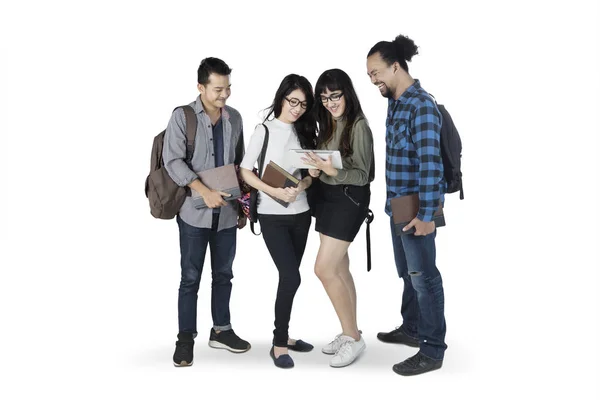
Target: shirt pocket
{"type": "Point", "coordinates": [398, 135]}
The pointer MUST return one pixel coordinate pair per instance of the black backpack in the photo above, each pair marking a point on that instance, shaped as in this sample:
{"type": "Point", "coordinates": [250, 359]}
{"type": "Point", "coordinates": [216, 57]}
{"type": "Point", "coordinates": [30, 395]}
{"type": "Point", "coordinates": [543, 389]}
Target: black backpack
{"type": "Point", "coordinates": [451, 148]}
{"type": "Point", "coordinates": [164, 195]}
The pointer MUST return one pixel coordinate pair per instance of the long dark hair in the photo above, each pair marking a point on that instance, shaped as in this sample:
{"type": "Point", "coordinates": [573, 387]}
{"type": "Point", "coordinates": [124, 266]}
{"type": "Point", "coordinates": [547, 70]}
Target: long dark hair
{"type": "Point", "coordinates": [401, 50]}
{"type": "Point", "coordinates": [336, 79]}
{"type": "Point", "coordinates": [305, 126]}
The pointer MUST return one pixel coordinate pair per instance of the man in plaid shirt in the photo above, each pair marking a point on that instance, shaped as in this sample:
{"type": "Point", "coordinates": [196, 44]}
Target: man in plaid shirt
{"type": "Point", "coordinates": [413, 165]}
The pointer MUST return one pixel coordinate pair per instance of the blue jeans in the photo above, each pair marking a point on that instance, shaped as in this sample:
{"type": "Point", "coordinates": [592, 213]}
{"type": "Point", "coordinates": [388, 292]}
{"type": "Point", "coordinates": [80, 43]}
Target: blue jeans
{"type": "Point", "coordinates": [423, 297]}
{"type": "Point", "coordinates": [193, 243]}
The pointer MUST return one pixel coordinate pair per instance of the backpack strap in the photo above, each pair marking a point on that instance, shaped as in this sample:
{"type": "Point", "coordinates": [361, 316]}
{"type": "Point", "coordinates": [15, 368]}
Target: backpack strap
{"type": "Point", "coordinates": [263, 152]}
{"type": "Point", "coordinates": [191, 123]}
{"type": "Point", "coordinates": [261, 163]}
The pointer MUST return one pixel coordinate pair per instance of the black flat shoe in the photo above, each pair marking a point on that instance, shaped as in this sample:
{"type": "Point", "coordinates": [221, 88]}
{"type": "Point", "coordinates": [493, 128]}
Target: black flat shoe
{"type": "Point", "coordinates": [301, 346]}
{"type": "Point", "coordinates": [283, 361]}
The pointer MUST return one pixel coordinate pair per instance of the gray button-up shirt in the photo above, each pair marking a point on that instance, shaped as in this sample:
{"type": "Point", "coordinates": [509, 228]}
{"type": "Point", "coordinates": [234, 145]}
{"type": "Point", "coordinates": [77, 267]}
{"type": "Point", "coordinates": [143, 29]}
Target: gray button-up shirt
{"type": "Point", "coordinates": [174, 151]}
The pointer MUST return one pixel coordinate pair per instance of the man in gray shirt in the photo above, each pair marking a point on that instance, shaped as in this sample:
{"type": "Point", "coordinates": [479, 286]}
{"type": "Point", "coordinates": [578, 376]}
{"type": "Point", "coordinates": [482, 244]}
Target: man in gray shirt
{"type": "Point", "coordinates": [219, 141]}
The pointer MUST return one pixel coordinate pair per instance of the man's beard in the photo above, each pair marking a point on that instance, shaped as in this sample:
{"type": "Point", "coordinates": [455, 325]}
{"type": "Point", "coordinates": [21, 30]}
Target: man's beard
{"type": "Point", "coordinates": [387, 93]}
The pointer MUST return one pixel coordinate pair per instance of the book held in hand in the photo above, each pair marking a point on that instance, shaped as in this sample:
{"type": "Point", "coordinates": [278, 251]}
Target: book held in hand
{"type": "Point", "coordinates": [277, 177]}
{"type": "Point", "coordinates": [223, 179]}
{"type": "Point", "coordinates": [406, 208]}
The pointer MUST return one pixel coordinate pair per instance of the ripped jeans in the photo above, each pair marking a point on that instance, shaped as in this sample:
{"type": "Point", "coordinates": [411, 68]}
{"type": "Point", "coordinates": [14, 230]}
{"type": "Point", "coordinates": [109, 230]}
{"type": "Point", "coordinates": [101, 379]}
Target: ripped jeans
{"type": "Point", "coordinates": [423, 298]}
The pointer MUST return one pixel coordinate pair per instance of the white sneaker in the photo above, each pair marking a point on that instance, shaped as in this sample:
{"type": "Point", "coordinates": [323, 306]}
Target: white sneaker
{"type": "Point", "coordinates": [348, 351]}
{"type": "Point", "coordinates": [335, 344]}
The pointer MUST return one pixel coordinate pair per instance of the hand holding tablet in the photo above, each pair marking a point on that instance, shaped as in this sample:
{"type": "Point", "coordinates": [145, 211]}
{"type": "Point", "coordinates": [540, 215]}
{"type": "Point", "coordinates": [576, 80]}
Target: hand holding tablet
{"type": "Point", "coordinates": [305, 159]}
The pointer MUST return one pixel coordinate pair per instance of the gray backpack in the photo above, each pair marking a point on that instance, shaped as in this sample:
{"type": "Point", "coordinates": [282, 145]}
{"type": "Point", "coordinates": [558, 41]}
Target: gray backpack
{"type": "Point", "coordinates": [165, 196]}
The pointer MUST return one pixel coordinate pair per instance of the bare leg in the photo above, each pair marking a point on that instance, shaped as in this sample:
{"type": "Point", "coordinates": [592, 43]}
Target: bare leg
{"type": "Point", "coordinates": [349, 282]}
{"type": "Point", "coordinates": [329, 269]}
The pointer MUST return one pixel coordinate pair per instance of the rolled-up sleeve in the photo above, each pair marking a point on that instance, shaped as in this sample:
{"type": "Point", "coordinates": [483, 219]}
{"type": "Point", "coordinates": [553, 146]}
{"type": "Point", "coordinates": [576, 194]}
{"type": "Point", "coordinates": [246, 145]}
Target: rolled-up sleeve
{"type": "Point", "coordinates": [174, 150]}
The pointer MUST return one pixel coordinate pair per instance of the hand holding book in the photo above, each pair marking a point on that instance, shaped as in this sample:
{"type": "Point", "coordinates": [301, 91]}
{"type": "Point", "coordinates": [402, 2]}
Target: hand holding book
{"type": "Point", "coordinates": [214, 186]}
{"type": "Point", "coordinates": [287, 194]}
{"type": "Point", "coordinates": [404, 213]}
{"type": "Point", "coordinates": [421, 228]}
{"type": "Point", "coordinates": [214, 198]}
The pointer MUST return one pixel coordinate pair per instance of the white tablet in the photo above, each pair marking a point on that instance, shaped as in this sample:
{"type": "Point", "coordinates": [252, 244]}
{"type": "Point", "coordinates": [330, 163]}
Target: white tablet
{"type": "Point", "coordinates": [295, 157]}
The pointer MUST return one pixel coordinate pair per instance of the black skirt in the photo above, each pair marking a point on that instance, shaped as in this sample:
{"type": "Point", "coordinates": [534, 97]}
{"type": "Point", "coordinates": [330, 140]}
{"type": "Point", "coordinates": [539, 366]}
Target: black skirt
{"type": "Point", "coordinates": [340, 210]}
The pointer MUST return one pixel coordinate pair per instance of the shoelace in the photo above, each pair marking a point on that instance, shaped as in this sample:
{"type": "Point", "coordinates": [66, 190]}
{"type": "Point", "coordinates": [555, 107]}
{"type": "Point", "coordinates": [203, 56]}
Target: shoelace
{"type": "Point", "coordinates": [335, 343]}
{"type": "Point", "coordinates": [345, 349]}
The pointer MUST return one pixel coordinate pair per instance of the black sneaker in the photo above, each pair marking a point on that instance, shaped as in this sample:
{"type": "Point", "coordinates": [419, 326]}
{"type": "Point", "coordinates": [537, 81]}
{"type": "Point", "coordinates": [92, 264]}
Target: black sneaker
{"type": "Point", "coordinates": [417, 364]}
{"type": "Point", "coordinates": [398, 336]}
{"type": "Point", "coordinates": [228, 340]}
{"type": "Point", "coordinates": [184, 350]}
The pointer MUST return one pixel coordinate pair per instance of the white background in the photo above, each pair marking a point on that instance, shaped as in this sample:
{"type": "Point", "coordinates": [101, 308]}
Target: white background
{"type": "Point", "coordinates": [89, 279]}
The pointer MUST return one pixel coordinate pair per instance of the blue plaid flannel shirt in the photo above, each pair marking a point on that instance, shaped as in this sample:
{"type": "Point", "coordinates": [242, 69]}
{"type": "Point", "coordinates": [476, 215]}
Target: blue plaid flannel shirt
{"type": "Point", "coordinates": [413, 155]}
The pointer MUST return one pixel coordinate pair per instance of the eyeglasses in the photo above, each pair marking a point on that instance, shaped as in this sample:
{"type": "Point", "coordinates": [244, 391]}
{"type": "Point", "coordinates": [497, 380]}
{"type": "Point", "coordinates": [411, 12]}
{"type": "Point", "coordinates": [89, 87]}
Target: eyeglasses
{"type": "Point", "coordinates": [333, 97]}
{"type": "Point", "coordinates": [294, 102]}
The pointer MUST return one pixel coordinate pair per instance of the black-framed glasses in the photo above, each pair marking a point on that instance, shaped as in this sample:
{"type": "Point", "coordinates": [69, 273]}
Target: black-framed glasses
{"type": "Point", "coordinates": [294, 102]}
{"type": "Point", "coordinates": [332, 97]}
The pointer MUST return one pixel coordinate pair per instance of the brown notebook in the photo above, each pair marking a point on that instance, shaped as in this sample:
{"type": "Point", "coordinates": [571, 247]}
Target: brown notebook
{"type": "Point", "coordinates": [221, 178]}
{"type": "Point", "coordinates": [277, 177]}
{"type": "Point", "coordinates": [406, 208]}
